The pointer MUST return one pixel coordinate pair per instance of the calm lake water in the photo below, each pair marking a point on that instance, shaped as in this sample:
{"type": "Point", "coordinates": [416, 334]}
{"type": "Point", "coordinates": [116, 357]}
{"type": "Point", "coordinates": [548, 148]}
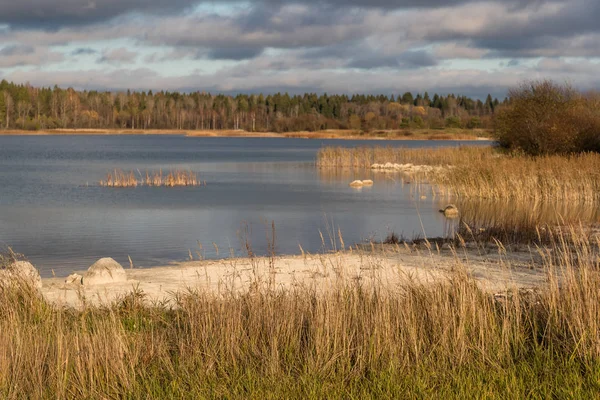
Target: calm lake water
{"type": "Point", "coordinates": [53, 211]}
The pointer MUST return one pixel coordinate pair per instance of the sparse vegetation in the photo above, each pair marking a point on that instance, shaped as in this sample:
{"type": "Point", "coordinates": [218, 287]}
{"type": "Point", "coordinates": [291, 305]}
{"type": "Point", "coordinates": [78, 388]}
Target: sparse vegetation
{"type": "Point", "coordinates": [392, 238]}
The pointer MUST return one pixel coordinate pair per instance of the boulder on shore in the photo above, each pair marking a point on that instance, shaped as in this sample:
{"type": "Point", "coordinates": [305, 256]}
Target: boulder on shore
{"type": "Point", "coordinates": [74, 279]}
{"type": "Point", "coordinates": [104, 271]}
{"type": "Point", "coordinates": [20, 271]}
{"type": "Point", "coordinates": [450, 211]}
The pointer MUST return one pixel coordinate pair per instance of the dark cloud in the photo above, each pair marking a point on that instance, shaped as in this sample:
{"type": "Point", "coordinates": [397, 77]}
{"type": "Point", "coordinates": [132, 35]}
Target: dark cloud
{"type": "Point", "coordinates": [83, 51]}
{"type": "Point", "coordinates": [52, 14]}
{"type": "Point", "coordinates": [400, 4]}
{"type": "Point", "coordinates": [300, 45]}
{"type": "Point", "coordinates": [544, 25]}
{"type": "Point", "coordinates": [411, 59]}
{"type": "Point", "coordinates": [23, 55]}
{"type": "Point", "coordinates": [16, 50]}
{"type": "Point", "coordinates": [234, 53]}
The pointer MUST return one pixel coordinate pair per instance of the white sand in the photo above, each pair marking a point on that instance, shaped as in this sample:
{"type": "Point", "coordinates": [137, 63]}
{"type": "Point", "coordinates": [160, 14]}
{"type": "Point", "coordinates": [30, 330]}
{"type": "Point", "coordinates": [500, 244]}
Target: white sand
{"type": "Point", "coordinates": [388, 268]}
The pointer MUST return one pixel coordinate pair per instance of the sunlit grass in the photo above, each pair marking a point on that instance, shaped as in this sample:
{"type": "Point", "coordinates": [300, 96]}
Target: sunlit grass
{"type": "Point", "coordinates": [355, 340]}
{"type": "Point", "coordinates": [483, 172]}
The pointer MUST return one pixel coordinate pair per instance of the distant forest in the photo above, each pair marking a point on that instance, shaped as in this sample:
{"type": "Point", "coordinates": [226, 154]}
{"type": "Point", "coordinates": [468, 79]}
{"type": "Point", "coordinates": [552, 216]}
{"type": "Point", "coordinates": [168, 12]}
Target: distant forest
{"type": "Point", "coordinates": [30, 108]}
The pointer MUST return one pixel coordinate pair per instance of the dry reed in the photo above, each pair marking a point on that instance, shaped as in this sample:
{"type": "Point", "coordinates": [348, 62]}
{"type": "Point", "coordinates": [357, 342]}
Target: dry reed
{"type": "Point", "coordinates": [483, 172]}
{"type": "Point", "coordinates": [364, 157]}
{"type": "Point", "coordinates": [118, 178]}
{"type": "Point", "coordinates": [418, 340]}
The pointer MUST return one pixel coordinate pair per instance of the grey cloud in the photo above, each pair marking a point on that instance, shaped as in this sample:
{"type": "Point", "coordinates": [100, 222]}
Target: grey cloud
{"type": "Point", "coordinates": [400, 4]}
{"type": "Point", "coordinates": [117, 56]}
{"type": "Point", "coordinates": [512, 32]}
{"type": "Point", "coordinates": [24, 55]}
{"type": "Point", "coordinates": [16, 50]}
{"type": "Point", "coordinates": [354, 46]}
{"type": "Point", "coordinates": [57, 13]}
{"type": "Point", "coordinates": [53, 14]}
{"type": "Point", "coordinates": [83, 51]}
{"type": "Point", "coordinates": [234, 53]}
{"type": "Point", "coordinates": [411, 59]}
{"type": "Point", "coordinates": [469, 82]}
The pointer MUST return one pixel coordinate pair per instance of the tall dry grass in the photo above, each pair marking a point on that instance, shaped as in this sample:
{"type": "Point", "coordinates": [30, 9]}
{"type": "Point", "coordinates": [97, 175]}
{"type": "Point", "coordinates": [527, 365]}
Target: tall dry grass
{"type": "Point", "coordinates": [487, 173]}
{"type": "Point", "coordinates": [364, 157]}
{"type": "Point", "coordinates": [518, 223]}
{"type": "Point", "coordinates": [445, 339]}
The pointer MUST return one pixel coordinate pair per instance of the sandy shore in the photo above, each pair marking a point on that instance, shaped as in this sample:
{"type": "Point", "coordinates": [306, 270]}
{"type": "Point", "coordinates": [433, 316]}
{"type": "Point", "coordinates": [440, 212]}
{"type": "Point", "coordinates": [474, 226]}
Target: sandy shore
{"type": "Point", "coordinates": [493, 272]}
{"type": "Point", "coordinates": [326, 134]}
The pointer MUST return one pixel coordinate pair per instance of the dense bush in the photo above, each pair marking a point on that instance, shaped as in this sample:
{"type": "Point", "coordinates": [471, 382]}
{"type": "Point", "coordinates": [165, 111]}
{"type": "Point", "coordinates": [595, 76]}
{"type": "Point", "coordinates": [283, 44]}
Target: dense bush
{"type": "Point", "coordinates": [546, 118]}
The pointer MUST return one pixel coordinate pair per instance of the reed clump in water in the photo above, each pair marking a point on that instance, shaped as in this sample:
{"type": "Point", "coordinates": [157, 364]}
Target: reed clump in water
{"type": "Point", "coordinates": [121, 179]}
{"type": "Point", "coordinates": [172, 179]}
{"type": "Point", "coordinates": [443, 338]}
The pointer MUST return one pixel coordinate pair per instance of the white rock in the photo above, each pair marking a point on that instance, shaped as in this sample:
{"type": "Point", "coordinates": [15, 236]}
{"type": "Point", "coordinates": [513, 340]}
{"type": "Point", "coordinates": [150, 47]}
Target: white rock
{"type": "Point", "coordinates": [104, 271]}
{"type": "Point", "coordinates": [74, 279]}
{"type": "Point", "coordinates": [450, 211]}
{"type": "Point", "coordinates": [21, 271]}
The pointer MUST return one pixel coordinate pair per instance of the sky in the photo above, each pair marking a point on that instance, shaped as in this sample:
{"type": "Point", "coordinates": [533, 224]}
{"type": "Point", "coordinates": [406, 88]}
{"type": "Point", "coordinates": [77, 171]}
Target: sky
{"type": "Point", "coordinates": [468, 47]}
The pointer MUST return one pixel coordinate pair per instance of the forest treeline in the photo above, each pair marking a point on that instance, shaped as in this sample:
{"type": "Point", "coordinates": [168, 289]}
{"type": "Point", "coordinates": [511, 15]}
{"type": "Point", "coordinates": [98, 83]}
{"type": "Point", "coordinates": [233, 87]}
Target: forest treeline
{"type": "Point", "coordinates": [23, 106]}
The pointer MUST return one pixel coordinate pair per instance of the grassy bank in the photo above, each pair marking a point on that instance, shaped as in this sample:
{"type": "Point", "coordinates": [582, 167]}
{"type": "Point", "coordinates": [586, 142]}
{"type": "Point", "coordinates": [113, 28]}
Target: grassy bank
{"type": "Point", "coordinates": [447, 338]}
{"type": "Point", "coordinates": [487, 173]}
{"type": "Point", "coordinates": [412, 134]}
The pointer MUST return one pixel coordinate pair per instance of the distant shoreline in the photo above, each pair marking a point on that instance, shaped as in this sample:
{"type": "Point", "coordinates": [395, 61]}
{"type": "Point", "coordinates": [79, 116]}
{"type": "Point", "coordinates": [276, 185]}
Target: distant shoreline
{"type": "Point", "coordinates": [421, 134]}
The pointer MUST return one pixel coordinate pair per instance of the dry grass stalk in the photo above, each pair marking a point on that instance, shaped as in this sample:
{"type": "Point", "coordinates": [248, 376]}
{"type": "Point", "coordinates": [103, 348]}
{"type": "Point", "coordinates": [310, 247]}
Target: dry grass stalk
{"type": "Point", "coordinates": [119, 178]}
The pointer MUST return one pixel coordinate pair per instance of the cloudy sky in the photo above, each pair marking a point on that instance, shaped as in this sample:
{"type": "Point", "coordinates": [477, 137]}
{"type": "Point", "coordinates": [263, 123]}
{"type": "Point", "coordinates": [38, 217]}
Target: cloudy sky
{"type": "Point", "coordinates": [470, 47]}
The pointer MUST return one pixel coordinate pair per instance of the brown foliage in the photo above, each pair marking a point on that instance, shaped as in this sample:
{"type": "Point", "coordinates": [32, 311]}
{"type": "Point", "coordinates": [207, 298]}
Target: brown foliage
{"type": "Point", "coordinates": [546, 118]}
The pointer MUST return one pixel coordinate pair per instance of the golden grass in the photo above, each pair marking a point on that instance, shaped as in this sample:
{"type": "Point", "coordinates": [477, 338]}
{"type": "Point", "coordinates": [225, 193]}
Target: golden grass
{"type": "Point", "coordinates": [417, 340]}
{"type": "Point", "coordinates": [364, 157]}
{"type": "Point", "coordinates": [121, 179]}
{"type": "Point", "coordinates": [486, 173]}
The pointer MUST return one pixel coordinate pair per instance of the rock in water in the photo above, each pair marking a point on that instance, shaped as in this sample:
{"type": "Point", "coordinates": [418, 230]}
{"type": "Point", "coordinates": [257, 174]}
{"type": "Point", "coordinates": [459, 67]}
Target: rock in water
{"type": "Point", "coordinates": [450, 211]}
{"type": "Point", "coordinates": [367, 182]}
{"type": "Point", "coordinates": [103, 271]}
{"type": "Point", "coordinates": [22, 271]}
{"type": "Point", "coordinates": [357, 184]}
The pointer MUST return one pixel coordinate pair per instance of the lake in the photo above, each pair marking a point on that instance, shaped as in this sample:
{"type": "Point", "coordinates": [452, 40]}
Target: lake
{"type": "Point", "coordinates": [53, 210]}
